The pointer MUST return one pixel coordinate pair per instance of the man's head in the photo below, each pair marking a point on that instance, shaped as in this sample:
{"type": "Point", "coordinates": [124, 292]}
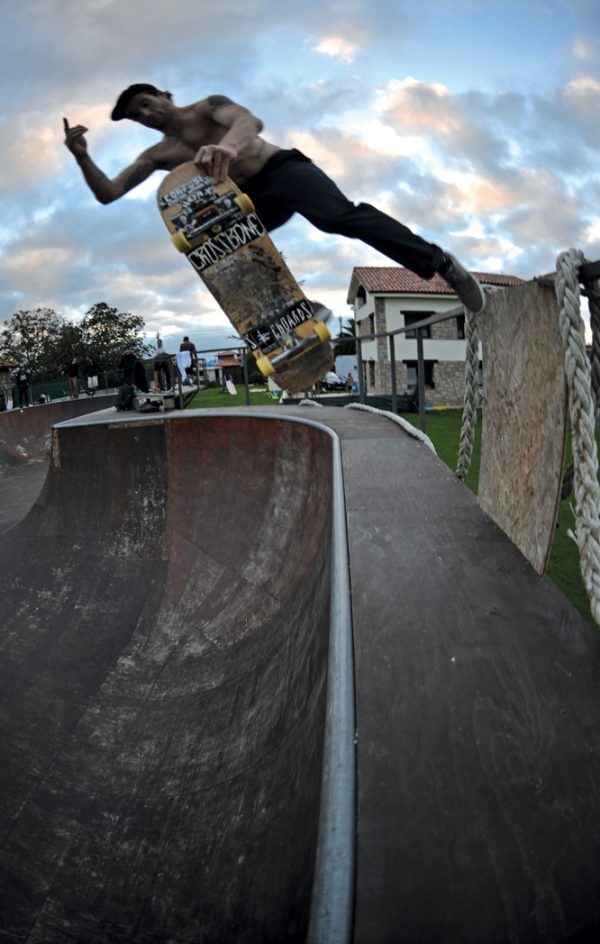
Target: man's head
{"type": "Point", "coordinates": [140, 91]}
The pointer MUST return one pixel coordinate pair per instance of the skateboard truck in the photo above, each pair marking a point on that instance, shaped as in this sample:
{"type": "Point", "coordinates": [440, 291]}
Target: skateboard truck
{"type": "Point", "coordinates": [209, 219]}
{"type": "Point", "coordinates": [293, 345]}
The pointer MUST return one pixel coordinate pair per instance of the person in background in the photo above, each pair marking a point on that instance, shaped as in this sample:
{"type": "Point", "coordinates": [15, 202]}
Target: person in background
{"type": "Point", "coordinates": [126, 365]}
{"type": "Point", "coordinates": [73, 374]}
{"type": "Point", "coordinates": [187, 345]}
{"type": "Point", "coordinates": [22, 381]}
{"type": "Point", "coordinates": [91, 372]}
{"type": "Point", "coordinates": [162, 366]}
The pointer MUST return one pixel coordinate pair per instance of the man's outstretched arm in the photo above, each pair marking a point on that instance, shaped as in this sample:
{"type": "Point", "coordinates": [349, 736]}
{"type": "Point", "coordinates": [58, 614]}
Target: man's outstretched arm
{"type": "Point", "coordinates": [104, 189]}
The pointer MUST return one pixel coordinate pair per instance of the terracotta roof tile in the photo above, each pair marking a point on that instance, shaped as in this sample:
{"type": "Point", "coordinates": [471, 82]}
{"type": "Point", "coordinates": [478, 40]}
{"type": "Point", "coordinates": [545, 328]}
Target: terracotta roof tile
{"type": "Point", "coordinates": [385, 279]}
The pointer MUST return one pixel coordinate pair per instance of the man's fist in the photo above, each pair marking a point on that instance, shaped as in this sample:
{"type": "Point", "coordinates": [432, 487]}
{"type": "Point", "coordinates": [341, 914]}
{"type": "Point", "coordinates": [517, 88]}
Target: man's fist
{"type": "Point", "coordinates": [216, 158]}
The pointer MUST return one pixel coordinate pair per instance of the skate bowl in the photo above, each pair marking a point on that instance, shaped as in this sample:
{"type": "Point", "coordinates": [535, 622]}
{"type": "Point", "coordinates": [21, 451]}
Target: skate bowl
{"type": "Point", "coordinates": [167, 677]}
{"type": "Point", "coordinates": [25, 434]}
{"type": "Point", "coordinates": [164, 684]}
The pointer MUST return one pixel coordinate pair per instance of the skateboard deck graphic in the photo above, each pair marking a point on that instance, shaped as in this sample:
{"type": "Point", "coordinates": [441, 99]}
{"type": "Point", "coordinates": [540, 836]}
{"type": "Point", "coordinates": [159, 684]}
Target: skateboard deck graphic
{"type": "Point", "coordinates": [225, 242]}
{"type": "Point", "coordinates": [524, 416]}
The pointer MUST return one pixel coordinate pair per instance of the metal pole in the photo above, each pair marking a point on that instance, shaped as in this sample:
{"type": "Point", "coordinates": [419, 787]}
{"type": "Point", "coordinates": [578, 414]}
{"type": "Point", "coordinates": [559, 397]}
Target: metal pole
{"type": "Point", "coordinates": [421, 380]}
{"type": "Point", "coordinates": [175, 366]}
{"type": "Point", "coordinates": [393, 372]}
{"type": "Point", "coordinates": [361, 379]}
{"type": "Point", "coordinates": [246, 384]}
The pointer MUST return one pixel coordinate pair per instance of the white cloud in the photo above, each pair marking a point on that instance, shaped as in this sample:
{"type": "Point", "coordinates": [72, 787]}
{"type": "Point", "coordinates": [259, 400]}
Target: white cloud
{"type": "Point", "coordinates": [414, 113]}
{"type": "Point", "coordinates": [584, 48]}
{"type": "Point", "coordinates": [336, 48]}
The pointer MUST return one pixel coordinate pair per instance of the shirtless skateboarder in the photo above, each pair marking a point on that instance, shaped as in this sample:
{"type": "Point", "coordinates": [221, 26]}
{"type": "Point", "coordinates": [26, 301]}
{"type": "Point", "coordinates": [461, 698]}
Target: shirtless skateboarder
{"type": "Point", "coordinates": [224, 139]}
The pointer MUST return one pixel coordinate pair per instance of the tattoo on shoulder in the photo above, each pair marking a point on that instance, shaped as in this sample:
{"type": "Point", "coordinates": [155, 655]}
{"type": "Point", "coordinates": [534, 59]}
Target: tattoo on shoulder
{"type": "Point", "coordinates": [218, 101]}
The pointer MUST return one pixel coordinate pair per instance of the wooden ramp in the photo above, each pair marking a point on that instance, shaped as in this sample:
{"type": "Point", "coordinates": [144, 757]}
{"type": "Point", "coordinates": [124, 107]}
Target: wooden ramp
{"type": "Point", "coordinates": [163, 675]}
{"type": "Point", "coordinates": [524, 416]}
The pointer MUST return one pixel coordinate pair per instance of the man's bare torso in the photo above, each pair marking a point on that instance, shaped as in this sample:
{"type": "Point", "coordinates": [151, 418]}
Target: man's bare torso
{"type": "Point", "coordinates": [196, 128]}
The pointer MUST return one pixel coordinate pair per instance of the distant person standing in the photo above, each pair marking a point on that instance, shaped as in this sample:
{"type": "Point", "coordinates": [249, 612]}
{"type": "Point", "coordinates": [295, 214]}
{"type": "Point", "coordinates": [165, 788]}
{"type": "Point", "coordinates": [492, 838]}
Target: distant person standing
{"type": "Point", "coordinates": [187, 345]}
{"type": "Point", "coordinates": [91, 373]}
{"type": "Point", "coordinates": [126, 366]}
{"type": "Point", "coordinates": [22, 380]}
{"type": "Point", "coordinates": [73, 374]}
{"type": "Point", "coordinates": [162, 366]}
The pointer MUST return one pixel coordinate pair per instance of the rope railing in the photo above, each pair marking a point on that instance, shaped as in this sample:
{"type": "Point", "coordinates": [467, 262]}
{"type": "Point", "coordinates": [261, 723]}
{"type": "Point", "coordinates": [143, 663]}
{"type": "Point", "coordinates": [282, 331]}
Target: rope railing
{"type": "Point", "coordinates": [469, 417]}
{"type": "Point", "coordinates": [583, 412]}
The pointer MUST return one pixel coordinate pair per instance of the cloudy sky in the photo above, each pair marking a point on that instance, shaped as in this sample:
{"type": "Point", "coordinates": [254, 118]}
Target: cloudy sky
{"type": "Point", "coordinates": [475, 122]}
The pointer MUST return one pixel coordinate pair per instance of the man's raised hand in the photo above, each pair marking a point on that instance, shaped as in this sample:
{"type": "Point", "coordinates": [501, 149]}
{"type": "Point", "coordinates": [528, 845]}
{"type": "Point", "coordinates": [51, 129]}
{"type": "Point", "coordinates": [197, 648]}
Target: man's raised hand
{"type": "Point", "coordinates": [74, 138]}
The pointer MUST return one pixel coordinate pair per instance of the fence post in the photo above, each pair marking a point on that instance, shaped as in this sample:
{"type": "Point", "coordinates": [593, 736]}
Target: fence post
{"type": "Point", "coordinates": [393, 373]}
{"type": "Point", "coordinates": [361, 378]}
{"type": "Point", "coordinates": [421, 380]}
{"type": "Point", "coordinates": [246, 384]}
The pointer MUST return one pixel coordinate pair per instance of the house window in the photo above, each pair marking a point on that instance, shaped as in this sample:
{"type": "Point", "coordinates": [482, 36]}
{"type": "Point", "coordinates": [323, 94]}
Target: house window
{"type": "Point", "coordinates": [371, 366]}
{"type": "Point", "coordinates": [460, 327]}
{"type": "Point", "coordinates": [371, 324]}
{"type": "Point", "coordinates": [412, 318]}
{"type": "Point", "coordinates": [412, 379]}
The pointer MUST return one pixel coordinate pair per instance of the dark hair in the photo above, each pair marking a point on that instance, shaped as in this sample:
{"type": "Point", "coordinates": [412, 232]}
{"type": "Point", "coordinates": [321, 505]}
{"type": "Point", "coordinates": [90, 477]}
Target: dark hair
{"type": "Point", "coordinates": [125, 97]}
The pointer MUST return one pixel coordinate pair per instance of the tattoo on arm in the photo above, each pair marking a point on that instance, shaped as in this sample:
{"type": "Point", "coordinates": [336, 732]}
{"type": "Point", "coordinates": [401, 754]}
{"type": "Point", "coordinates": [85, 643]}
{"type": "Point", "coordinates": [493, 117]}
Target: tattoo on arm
{"type": "Point", "coordinates": [218, 101]}
{"type": "Point", "coordinates": [138, 174]}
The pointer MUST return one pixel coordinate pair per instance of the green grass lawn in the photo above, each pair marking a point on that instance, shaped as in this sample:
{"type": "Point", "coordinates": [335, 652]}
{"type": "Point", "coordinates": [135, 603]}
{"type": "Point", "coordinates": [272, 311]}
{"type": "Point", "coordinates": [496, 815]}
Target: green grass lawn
{"type": "Point", "coordinates": [444, 431]}
{"type": "Point", "coordinates": [214, 397]}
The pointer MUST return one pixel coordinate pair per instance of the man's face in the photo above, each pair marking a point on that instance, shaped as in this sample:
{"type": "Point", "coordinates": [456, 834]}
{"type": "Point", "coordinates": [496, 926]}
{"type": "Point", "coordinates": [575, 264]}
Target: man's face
{"type": "Point", "coordinates": [153, 111]}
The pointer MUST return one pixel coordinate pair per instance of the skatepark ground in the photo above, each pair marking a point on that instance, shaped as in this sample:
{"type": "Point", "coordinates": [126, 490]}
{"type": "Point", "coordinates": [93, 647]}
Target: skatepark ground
{"type": "Point", "coordinates": [174, 724]}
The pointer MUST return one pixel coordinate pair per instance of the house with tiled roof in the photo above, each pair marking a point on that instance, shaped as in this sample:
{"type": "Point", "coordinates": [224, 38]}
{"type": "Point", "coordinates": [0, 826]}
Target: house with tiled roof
{"type": "Point", "coordinates": [385, 298]}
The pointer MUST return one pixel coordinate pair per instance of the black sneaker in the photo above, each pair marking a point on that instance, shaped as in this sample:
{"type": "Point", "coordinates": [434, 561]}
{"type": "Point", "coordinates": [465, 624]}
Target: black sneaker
{"type": "Point", "coordinates": [464, 284]}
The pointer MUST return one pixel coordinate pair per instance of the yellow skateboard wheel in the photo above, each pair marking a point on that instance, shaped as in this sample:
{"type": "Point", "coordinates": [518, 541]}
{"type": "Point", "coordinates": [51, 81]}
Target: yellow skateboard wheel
{"type": "Point", "coordinates": [244, 203]}
{"type": "Point", "coordinates": [265, 366]}
{"type": "Point", "coordinates": [180, 241]}
{"type": "Point", "coordinates": [322, 331]}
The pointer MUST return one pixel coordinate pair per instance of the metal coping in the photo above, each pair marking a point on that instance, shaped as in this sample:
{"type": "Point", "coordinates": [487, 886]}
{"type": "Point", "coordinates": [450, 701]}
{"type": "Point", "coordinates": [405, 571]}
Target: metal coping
{"type": "Point", "coordinates": [332, 899]}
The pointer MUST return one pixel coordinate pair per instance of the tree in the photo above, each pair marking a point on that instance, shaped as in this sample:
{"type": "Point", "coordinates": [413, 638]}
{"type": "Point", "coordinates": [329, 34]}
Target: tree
{"type": "Point", "coordinates": [345, 343]}
{"type": "Point", "coordinates": [44, 341]}
{"type": "Point", "coordinates": [106, 332]}
{"type": "Point", "coordinates": [34, 339]}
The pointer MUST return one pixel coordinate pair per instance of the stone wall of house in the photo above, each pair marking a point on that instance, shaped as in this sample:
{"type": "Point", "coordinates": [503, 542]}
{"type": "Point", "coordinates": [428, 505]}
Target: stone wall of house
{"type": "Point", "coordinates": [380, 327]}
{"type": "Point", "coordinates": [449, 377]}
{"type": "Point", "coordinates": [444, 330]}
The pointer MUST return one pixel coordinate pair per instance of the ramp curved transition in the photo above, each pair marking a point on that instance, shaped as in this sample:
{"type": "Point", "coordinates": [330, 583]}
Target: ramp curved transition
{"type": "Point", "coordinates": [26, 434]}
{"type": "Point", "coordinates": [164, 658]}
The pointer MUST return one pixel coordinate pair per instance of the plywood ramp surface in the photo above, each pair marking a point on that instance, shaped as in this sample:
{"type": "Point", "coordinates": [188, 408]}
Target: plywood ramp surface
{"type": "Point", "coordinates": [163, 685]}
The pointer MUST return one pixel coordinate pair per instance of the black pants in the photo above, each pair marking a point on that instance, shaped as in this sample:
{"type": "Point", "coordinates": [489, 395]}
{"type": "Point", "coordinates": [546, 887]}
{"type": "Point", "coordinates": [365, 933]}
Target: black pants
{"type": "Point", "coordinates": [162, 369]}
{"type": "Point", "coordinates": [290, 183]}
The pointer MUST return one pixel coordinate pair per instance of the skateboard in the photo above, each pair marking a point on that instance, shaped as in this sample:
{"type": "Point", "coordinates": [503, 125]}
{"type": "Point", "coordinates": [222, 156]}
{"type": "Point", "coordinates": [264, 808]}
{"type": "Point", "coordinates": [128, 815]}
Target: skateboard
{"type": "Point", "coordinates": [217, 228]}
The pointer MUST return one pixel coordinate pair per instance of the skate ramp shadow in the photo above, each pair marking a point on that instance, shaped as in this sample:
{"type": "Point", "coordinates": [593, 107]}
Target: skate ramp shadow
{"type": "Point", "coordinates": [164, 684]}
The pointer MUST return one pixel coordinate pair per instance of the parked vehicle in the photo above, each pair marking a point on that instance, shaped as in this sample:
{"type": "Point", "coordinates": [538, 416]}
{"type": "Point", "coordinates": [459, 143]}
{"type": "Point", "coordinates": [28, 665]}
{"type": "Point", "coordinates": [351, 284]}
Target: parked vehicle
{"type": "Point", "coordinates": [331, 381]}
